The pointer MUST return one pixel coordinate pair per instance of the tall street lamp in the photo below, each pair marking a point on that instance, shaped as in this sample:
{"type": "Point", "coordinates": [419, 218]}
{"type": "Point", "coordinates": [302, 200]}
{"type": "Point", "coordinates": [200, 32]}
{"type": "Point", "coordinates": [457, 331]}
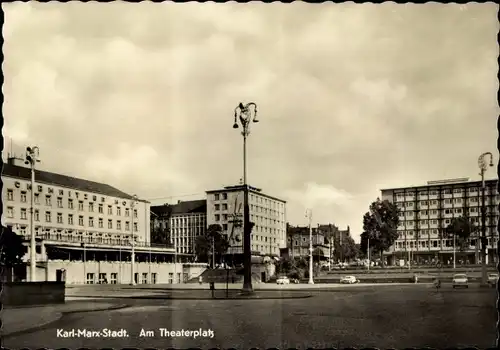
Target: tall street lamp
{"type": "Point", "coordinates": [483, 166]}
{"type": "Point", "coordinates": [32, 157]}
{"type": "Point", "coordinates": [309, 216]}
{"type": "Point", "coordinates": [244, 114]}
{"type": "Point", "coordinates": [132, 258]}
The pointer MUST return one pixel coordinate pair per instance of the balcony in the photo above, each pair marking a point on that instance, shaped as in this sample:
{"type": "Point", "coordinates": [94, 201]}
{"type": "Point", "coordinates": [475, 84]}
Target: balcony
{"type": "Point", "coordinates": [96, 241]}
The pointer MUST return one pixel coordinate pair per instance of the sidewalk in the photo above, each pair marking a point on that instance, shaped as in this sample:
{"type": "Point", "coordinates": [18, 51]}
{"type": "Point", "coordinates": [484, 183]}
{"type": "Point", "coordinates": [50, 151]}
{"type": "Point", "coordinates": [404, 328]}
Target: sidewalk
{"type": "Point", "coordinates": [17, 320]}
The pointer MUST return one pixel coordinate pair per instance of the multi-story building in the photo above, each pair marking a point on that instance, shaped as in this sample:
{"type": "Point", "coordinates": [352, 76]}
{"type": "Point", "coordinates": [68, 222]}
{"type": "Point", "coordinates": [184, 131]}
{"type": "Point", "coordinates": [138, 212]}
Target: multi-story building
{"type": "Point", "coordinates": [426, 211]}
{"type": "Point", "coordinates": [85, 230]}
{"type": "Point", "coordinates": [183, 222]}
{"type": "Point", "coordinates": [225, 207]}
{"type": "Point", "coordinates": [298, 244]}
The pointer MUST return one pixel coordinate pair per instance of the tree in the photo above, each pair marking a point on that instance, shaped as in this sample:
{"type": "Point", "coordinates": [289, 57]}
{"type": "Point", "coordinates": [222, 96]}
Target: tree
{"type": "Point", "coordinates": [215, 237]}
{"type": "Point", "coordinates": [347, 250]}
{"type": "Point", "coordinates": [462, 228]}
{"type": "Point", "coordinates": [202, 247]}
{"type": "Point", "coordinates": [380, 227]}
{"type": "Point", "coordinates": [11, 248]}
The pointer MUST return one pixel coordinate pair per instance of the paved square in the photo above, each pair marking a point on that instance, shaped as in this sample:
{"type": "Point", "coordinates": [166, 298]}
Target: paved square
{"type": "Point", "coordinates": [383, 317]}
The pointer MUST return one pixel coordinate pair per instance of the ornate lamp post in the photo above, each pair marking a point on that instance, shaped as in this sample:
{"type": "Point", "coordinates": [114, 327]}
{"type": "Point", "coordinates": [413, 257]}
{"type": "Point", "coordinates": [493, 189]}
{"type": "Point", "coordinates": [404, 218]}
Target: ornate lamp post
{"type": "Point", "coordinates": [483, 166]}
{"type": "Point", "coordinates": [244, 114]}
{"type": "Point", "coordinates": [132, 242]}
{"type": "Point", "coordinates": [32, 157]}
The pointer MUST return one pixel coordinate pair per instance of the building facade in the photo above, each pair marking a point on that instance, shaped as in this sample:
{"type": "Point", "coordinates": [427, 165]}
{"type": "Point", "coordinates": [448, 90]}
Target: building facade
{"type": "Point", "coordinates": [183, 222]}
{"type": "Point", "coordinates": [77, 222]}
{"type": "Point", "coordinates": [225, 207]}
{"type": "Point", "coordinates": [426, 211]}
{"type": "Point", "coordinates": [298, 244]}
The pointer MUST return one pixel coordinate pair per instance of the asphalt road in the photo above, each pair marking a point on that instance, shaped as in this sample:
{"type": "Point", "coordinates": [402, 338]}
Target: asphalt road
{"type": "Point", "coordinates": [397, 317]}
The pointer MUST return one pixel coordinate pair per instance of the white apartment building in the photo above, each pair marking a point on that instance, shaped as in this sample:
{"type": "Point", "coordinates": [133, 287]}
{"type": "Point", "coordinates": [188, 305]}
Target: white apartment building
{"type": "Point", "coordinates": [78, 222]}
{"type": "Point", "coordinates": [184, 221]}
{"type": "Point", "coordinates": [225, 207]}
{"type": "Point", "coordinates": [426, 211]}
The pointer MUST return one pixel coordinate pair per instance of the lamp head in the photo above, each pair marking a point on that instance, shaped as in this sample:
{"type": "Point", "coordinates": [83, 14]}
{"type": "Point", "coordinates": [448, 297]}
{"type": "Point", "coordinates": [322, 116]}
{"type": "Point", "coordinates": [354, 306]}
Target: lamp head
{"type": "Point", "coordinates": [235, 126]}
{"type": "Point", "coordinates": [491, 162]}
{"type": "Point", "coordinates": [28, 149]}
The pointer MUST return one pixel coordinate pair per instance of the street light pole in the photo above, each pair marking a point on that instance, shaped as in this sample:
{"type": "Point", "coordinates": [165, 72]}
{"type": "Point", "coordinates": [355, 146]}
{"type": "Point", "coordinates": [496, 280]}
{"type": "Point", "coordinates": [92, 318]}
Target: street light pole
{"type": "Point", "coordinates": [454, 251]}
{"type": "Point", "coordinates": [483, 167]}
{"type": "Point", "coordinates": [32, 154]}
{"type": "Point", "coordinates": [309, 216]}
{"type": "Point", "coordinates": [244, 113]}
{"type": "Point", "coordinates": [132, 258]}
{"type": "Point", "coordinates": [368, 250]}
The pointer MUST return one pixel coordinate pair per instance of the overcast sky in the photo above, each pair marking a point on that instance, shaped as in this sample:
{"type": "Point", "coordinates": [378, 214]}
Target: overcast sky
{"type": "Point", "coordinates": [351, 98]}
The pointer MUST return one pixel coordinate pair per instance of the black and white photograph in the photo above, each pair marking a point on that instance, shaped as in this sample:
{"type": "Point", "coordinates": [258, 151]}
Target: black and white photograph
{"type": "Point", "coordinates": [249, 175]}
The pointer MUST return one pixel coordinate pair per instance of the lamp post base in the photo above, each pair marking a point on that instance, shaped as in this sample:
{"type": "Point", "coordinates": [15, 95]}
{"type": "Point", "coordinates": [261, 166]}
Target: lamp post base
{"type": "Point", "coordinates": [247, 289]}
{"type": "Point", "coordinates": [311, 282]}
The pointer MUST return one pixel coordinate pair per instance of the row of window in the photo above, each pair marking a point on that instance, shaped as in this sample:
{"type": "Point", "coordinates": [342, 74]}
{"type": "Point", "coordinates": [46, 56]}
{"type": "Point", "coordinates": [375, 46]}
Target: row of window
{"type": "Point", "coordinates": [197, 220]}
{"type": "Point", "coordinates": [253, 218]}
{"type": "Point", "coordinates": [61, 192]}
{"type": "Point", "coordinates": [253, 208]}
{"type": "Point", "coordinates": [444, 191]}
{"type": "Point", "coordinates": [447, 221]}
{"type": "Point", "coordinates": [254, 198]}
{"type": "Point", "coordinates": [70, 219]}
{"type": "Point", "coordinates": [435, 243]}
{"type": "Point", "coordinates": [473, 200]}
{"type": "Point", "coordinates": [103, 278]}
{"type": "Point", "coordinates": [432, 231]}
{"type": "Point", "coordinates": [433, 213]}
{"type": "Point", "coordinates": [48, 202]}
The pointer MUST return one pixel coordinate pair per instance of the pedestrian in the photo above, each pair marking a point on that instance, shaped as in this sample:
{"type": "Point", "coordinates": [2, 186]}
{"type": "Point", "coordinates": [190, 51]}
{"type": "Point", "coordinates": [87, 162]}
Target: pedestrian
{"type": "Point", "coordinates": [200, 279]}
{"type": "Point", "coordinates": [437, 284]}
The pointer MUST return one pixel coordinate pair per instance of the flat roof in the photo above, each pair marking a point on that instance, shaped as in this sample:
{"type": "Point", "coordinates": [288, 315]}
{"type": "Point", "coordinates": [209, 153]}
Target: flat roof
{"type": "Point", "coordinates": [251, 189]}
{"type": "Point", "coordinates": [451, 182]}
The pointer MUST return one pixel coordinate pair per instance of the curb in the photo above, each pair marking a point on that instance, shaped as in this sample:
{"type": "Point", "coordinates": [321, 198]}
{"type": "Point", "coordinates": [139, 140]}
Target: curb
{"type": "Point", "coordinates": [154, 297]}
{"type": "Point", "coordinates": [58, 318]}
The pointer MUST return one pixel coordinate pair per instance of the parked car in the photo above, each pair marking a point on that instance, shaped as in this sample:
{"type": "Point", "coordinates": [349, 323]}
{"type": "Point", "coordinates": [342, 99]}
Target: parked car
{"type": "Point", "coordinates": [283, 280]}
{"type": "Point", "coordinates": [492, 279]}
{"type": "Point", "coordinates": [349, 280]}
{"type": "Point", "coordinates": [460, 280]}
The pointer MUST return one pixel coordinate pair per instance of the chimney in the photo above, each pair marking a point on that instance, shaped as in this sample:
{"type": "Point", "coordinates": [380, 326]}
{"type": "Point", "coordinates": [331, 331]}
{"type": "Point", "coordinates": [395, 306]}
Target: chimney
{"type": "Point", "coordinates": [179, 202]}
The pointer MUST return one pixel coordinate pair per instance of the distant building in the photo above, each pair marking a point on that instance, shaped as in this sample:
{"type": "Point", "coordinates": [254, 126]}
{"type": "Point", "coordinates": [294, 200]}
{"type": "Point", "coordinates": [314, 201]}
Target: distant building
{"type": "Point", "coordinates": [184, 221]}
{"type": "Point", "coordinates": [225, 207]}
{"type": "Point", "coordinates": [83, 228]}
{"type": "Point", "coordinates": [298, 241]}
{"type": "Point", "coordinates": [426, 211]}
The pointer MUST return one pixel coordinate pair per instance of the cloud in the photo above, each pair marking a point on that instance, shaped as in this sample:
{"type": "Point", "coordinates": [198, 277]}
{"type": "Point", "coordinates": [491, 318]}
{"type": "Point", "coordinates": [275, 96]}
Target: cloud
{"type": "Point", "coordinates": [317, 195]}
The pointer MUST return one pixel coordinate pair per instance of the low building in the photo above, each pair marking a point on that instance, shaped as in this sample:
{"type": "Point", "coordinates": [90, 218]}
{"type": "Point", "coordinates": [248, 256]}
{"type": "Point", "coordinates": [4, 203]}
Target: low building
{"type": "Point", "coordinates": [426, 211]}
{"type": "Point", "coordinates": [86, 231]}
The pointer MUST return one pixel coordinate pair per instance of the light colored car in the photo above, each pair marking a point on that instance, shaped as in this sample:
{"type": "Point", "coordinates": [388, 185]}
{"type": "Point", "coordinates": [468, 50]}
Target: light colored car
{"type": "Point", "coordinates": [283, 280]}
{"type": "Point", "coordinates": [349, 280]}
{"type": "Point", "coordinates": [492, 279]}
{"type": "Point", "coordinates": [460, 280]}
